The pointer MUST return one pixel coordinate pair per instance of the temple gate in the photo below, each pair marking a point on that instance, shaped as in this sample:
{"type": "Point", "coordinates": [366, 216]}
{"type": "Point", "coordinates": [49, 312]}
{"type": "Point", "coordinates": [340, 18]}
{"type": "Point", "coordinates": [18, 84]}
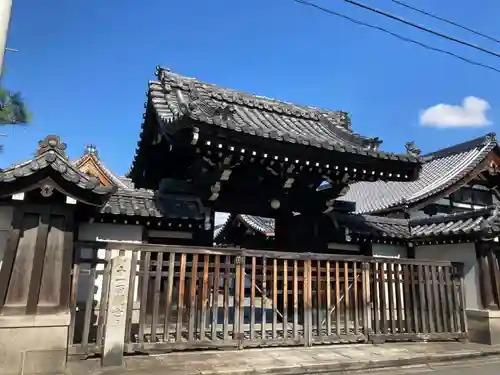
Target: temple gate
{"type": "Point", "coordinates": [96, 264]}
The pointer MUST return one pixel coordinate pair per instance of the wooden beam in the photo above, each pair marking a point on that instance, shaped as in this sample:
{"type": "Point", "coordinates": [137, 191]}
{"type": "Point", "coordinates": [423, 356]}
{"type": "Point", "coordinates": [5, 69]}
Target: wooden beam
{"type": "Point", "coordinates": [67, 261]}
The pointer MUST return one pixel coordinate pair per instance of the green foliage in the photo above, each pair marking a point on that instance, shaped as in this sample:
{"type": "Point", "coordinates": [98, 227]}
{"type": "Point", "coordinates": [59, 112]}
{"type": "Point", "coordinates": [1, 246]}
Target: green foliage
{"type": "Point", "coordinates": [13, 110]}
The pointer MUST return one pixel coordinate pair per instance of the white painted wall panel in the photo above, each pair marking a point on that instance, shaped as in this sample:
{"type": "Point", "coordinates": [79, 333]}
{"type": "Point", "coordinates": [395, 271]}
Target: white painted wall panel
{"type": "Point", "coordinates": [389, 251]}
{"type": "Point", "coordinates": [104, 232]}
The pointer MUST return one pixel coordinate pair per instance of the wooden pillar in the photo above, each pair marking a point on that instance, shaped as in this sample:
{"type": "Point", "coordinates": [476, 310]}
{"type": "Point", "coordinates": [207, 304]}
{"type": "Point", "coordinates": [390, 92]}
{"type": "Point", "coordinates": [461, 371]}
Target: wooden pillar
{"type": "Point", "coordinates": [205, 237]}
{"type": "Point", "coordinates": [488, 275]}
{"type": "Point", "coordinates": [495, 274]}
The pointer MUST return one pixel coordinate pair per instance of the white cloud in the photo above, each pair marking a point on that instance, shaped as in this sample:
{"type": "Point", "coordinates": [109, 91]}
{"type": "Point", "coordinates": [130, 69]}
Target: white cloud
{"type": "Point", "coordinates": [471, 114]}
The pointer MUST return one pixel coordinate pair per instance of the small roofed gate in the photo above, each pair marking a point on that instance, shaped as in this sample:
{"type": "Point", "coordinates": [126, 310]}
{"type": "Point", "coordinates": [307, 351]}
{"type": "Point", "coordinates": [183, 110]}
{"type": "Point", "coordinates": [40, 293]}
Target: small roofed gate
{"type": "Point", "coordinates": [41, 197]}
{"type": "Point", "coordinates": [190, 298]}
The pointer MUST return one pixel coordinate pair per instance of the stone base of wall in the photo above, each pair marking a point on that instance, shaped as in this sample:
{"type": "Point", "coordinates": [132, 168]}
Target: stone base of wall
{"type": "Point", "coordinates": [33, 344]}
{"type": "Point", "coordinates": [484, 326]}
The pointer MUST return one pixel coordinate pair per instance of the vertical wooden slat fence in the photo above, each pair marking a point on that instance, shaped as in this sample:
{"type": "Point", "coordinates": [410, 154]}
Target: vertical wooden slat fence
{"type": "Point", "coordinates": [417, 301]}
{"type": "Point", "coordinates": [90, 281]}
{"type": "Point", "coordinates": [187, 298]}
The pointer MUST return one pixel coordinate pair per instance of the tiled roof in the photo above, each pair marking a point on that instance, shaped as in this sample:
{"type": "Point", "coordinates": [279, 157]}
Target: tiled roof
{"type": "Point", "coordinates": [219, 228]}
{"type": "Point", "coordinates": [373, 226]}
{"type": "Point", "coordinates": [440, 171]}
{"type": "Point", "coordinates": [127, 200]}
{"type": "Point", "coordinates": [175, 96]}
{"type": "Point", "coordinates": [51, 153]}
{"type": "Point", "coordinates": [260, 224]}
{"type": "Point", "coordinates": [483, 222]}
{"type": "Point", "coordinates": [132, 203]}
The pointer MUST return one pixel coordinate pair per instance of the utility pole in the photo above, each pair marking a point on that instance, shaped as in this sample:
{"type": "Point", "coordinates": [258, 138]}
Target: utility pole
{"type": "Point", "coordinates": [5, 11]}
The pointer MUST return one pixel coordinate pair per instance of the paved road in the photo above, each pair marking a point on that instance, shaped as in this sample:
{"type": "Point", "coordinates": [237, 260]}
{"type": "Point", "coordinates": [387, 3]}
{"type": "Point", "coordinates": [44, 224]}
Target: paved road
{"type": "Point", "coordinates": [487, 366]}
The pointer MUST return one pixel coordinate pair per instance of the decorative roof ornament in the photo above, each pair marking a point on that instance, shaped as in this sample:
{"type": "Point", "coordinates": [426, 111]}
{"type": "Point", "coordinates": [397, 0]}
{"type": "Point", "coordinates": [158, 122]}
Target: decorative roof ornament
{"type": "Point", "coordinates": [490, 137]}
{"type": "Point", "coordinates": [412, 149]}
{"type": "Point", "coordinates": [47, 190]}
{"type": "Point", "coordinates": [491, 225]}
{"type": "Point", "coordinates": [52, 143]}
{"type": "Point", "coordinates": [198, 101]}
{"type": "Point", "coordinates": [91, 149]}
{"type": "Point", "coordinates": [373, 143]}
{"type": "Point", "coordinates": [346, 119]}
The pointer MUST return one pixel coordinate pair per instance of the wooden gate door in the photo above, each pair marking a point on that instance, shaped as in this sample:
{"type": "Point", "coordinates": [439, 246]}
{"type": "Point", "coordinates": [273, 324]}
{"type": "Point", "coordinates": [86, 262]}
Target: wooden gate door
{"type": "Point", "coordinates": [34, 289]}
{"type": "Point", "coordinates": [35, 273]}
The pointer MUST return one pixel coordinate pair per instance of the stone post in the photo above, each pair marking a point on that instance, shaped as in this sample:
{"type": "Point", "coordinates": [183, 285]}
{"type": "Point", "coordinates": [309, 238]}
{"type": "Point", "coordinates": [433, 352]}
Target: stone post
{"type": "Point", "coordinates": [114, 330]}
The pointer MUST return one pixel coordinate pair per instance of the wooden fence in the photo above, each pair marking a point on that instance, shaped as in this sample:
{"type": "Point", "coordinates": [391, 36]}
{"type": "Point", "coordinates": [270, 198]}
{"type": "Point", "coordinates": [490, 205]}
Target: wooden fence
{"type": "Point", "coordinates": [187, 297]}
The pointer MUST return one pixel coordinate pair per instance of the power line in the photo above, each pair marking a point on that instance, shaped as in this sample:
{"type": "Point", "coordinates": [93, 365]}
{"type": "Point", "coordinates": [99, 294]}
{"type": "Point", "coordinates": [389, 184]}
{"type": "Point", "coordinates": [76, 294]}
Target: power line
{"type": "Point", "coordinates": [422, 28]}
{"type": "Point", "coordinates": [432, 15]}
{"type": "Point", "coordinates": [403, 38]}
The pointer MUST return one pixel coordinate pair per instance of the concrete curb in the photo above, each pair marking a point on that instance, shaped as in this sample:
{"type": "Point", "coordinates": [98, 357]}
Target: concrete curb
{"type": "Point", "coordinates": [354, 365]}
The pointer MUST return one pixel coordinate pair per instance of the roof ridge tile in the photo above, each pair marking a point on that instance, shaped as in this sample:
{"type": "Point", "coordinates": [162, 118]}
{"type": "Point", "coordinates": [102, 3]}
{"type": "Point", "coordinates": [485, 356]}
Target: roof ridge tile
{"type": "Point", "coordinates": [484, 140]}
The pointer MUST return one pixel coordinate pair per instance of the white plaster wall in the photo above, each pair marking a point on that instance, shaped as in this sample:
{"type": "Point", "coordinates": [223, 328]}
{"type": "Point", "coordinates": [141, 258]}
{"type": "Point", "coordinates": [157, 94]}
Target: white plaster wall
{"type": "Point", "coordinates": [388, 251]}
{"type": "Point", "coordinates": [462, 252]}
{"type": "Point", "coordinates": [104, 232]}
{"type": "Point", "coordinates": [5, 223]}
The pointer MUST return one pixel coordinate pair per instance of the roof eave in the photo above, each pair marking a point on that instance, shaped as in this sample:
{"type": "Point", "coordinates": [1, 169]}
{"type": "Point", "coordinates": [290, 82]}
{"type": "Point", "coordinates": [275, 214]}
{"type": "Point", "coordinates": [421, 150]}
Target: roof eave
{"type": "Point", "coordinates": [52, 167]}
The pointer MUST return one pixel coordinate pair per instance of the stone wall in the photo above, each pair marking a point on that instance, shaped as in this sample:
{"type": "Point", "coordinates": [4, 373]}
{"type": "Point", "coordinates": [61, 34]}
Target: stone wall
{"type": "Point", "coordinates": [33, 344]}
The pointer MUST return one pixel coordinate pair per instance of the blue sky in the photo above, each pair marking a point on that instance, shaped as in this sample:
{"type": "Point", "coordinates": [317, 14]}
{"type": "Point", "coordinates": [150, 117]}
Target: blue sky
{"type": "Point", "coordinates": [83, 66]}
